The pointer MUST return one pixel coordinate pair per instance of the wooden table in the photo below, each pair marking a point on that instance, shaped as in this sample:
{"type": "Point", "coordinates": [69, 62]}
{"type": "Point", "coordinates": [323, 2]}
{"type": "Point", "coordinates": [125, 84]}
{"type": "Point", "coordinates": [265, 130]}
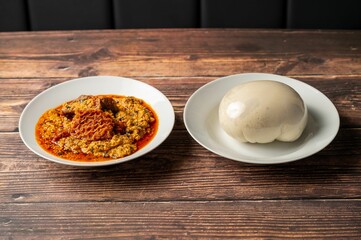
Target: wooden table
{"type": "Point", "coordinates": [181, 190]}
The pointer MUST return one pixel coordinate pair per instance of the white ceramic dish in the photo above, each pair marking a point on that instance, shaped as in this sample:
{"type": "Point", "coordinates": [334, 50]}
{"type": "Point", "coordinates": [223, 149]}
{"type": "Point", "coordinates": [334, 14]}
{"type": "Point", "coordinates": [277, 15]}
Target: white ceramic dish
{"type": "Point", "coordinates": [201, 121]}
{"type": "Point", "coordinates": [96, 85]}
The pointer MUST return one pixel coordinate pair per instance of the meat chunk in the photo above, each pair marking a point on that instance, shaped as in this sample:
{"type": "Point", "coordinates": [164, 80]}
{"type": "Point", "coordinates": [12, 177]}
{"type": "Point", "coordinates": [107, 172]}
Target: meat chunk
{"type": "Point", "coordinates": [60, 135]}
{"type": "Point", "coordinates": [109, 104]}
{"type": "Point", "coordinates": [69, 114]}
{"type": "Point", "coordinates": [81, 103]}
{"type": "Point", "coordinates": [92, 125]}
{"type": "Point", "coordinates": [119, 127]}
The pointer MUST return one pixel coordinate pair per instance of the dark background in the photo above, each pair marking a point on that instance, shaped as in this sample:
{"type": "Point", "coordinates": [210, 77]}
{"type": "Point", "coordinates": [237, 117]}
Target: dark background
{"type": "Point", "coordinates": [28, 15]}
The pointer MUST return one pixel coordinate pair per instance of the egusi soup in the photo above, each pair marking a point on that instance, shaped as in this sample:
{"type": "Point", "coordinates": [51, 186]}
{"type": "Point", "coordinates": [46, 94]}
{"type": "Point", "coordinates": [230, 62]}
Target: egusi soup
{"type": "Point", "coordinates": [97, 128]}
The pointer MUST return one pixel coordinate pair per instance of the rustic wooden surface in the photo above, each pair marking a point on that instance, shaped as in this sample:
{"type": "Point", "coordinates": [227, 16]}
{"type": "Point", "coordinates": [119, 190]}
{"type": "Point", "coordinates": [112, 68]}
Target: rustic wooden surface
{"type": "Point", "coordinates": [181, 190]}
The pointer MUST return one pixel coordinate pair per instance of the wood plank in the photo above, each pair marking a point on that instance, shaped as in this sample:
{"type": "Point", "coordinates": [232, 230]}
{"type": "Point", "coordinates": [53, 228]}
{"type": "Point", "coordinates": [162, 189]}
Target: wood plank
{"type": "Point", "coordinates": [181, 190]}
{"type": "Point", "coordinates": [181, 169]}
{"type": "Point", "coordinates": [344, 92]}
{"type": "Point", "coordinates": [178, 220]}
{"type": "Point", "coordinates": [147, 53]}
{"type": "Point", "coordinates": [57, 44]}
{"type": "Point", "coordinates": [188, 65]}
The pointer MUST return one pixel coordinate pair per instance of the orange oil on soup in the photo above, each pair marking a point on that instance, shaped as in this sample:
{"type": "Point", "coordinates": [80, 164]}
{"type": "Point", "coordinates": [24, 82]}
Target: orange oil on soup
{"type": "Point", "coordinates": [53, 147]}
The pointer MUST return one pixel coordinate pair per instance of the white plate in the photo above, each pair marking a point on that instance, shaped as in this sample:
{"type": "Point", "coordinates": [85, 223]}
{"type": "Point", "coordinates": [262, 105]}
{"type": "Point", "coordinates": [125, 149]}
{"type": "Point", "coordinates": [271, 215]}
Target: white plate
{"type": "Point", "coordinates": [97, 85]}
{"type": "Point", "coordinates": [201, 121]}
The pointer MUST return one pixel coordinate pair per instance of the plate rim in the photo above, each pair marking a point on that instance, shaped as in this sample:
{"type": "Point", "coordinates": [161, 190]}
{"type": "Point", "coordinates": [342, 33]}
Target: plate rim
{"type": "Point", "coordinates": [241, 158]}
{"type": "Point", "coordinates": [170, 119]}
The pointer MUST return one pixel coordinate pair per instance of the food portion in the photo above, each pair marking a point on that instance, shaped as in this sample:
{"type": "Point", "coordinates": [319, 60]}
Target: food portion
{"type": "Point", "coordinates": [97, 128]}
{"type": "Point", "coordinates": [263, 111]}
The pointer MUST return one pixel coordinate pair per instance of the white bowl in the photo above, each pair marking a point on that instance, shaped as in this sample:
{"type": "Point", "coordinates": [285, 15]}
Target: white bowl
{"type": "Point", "coordinates": [201, 121]}
{"type": "Point", "coordinates": [96, 85]}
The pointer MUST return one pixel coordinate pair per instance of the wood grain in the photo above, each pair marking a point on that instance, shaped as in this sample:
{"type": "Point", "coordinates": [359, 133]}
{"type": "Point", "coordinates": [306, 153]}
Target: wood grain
{"type": "Point", "coordinates": [183, 220]}
{"type": "Point", "coordinates": [176, 53]}
{"type": "Point", "coordinates": [182, 41]}
{"type": "Point", "coordinates": [344, 92]}
{"type": "Point", "coordinates": [181, 190]}
{"type": "Point", "coordinates": [180, 169]}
